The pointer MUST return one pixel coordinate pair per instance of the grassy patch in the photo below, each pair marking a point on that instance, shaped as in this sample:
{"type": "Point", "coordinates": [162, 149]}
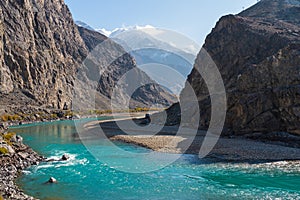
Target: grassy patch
{"type": "Point", "coordinates": [3, 151]}
{"type": "Point", "coordinates": [54, 116]}
{"type": "Point", "coordinates": [7, 117]}
{"type": "Point", "coordinates": [69, 113]}
{"type": "Point", "coordinates": [8, 136]}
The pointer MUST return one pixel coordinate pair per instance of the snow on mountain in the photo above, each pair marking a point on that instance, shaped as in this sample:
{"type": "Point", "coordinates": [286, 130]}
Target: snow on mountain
{"type": "Point", "coordinates": [104, 32]}
{"type": "Point", "coordinates": [158, 52]}
{"type": "Point", "coordinates": [170, 37]}
{"type": "Point", "coordinates": [84, 25]}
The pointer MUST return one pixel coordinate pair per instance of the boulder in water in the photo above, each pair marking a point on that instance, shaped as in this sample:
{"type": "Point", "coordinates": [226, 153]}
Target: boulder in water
{"type": "Point", "coordinates": [65, 157]}
{"type": "Point", "coordinates": [52, 180]}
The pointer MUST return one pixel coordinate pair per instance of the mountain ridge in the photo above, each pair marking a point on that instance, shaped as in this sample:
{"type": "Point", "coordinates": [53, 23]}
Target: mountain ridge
{"type": "Point", "coordinates": [41, 53]}
{"type": "Point", "coordinates": [257, 54]}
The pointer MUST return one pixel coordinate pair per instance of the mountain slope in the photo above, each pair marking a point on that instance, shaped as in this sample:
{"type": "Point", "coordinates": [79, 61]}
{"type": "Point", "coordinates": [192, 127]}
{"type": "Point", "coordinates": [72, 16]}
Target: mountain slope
{"type": "Point", "coordinates": [111, 63]}
{"type": "Point", "coordinates": [150, 51]}
{"type": "Point", "coordinates": [258, 55]}
{"type": "Point", "coordinates": [84, 25]}
{"type": "Point", "coordinates": [41, 54]}
{"type": "Point", "coordinates": [40, 49]}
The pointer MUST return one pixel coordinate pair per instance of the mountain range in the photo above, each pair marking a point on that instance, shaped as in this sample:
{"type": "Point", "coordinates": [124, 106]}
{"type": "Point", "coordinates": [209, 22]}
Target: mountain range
{"type": "Point", "coordinates": [43, 53]}
{"type": "Point", "coordinates": [157, 50]}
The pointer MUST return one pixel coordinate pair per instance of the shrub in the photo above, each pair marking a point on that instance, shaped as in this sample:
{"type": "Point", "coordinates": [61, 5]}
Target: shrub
{"type": "Point", "coordinates": [8, 136]}
{"type": "Point", "coordinates": [2, 152]}
{"type": "Point", "coordinates": [53, 116]}
{"type": "Point", "coordinates": [69, 113]}
{"type": "Point", "coordinates": [14, 117]}
{"type": "Point", "coordinates": [4, 118]}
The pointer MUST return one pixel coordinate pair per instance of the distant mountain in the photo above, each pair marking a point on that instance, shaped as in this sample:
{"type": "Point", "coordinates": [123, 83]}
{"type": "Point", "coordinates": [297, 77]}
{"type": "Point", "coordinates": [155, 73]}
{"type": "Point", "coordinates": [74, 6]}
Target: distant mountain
{"type": "Point", "coordinates": [104, 69]}
{"type": "Point", "coordinates": [169, 37]}
{"type": "Point", "coordinates": [84, 25]}
{"type": "Point", "coordinates": [167, 68]}
{"type": "Point", "coordinates": [152, 46]}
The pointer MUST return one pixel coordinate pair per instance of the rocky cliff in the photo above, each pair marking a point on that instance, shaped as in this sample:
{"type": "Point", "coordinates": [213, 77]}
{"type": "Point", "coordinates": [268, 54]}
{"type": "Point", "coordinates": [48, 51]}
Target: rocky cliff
{"type": "Point", "coordinates": [41, 51]}
{"type": "Point", "coordinates": [258, 55]}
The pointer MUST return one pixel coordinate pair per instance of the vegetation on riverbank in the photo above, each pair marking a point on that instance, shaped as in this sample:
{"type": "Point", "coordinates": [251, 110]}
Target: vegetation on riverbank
{"type": "Point", "coordinates": [14, 158]}
{"type": "Point", "coordinates": [48, 115]}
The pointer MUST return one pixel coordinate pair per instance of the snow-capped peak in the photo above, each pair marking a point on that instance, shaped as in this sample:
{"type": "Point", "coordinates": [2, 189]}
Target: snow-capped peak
{"type": "Point", "coordinates": [84, 25]}
{"type": "Point", "coordinates": [161, 36]}
{"type": "Point", "coordinates": [116, 31]}
{"type": "Point", "coordinates": [105, 32]}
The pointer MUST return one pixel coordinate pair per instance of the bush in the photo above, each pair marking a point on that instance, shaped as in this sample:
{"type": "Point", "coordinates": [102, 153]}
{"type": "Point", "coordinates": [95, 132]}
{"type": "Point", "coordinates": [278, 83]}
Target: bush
{"type": "Point", "coordinates": [4, 118]}
{"type": "Point", "coordinates": [53, 116]}
{"type": "Point", "coordinates": [69, 113]}
{"type": "Point", "coordinates": [8, 136]}
{"type": "Point", "coordinates": [7, 117]}
{"type": "Point", "coordinates": [3, 151]}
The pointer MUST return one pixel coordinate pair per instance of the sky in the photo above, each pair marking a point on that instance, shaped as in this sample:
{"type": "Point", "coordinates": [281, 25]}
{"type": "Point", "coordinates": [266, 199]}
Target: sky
{"type": "Point", "coordinates": [192, 18]}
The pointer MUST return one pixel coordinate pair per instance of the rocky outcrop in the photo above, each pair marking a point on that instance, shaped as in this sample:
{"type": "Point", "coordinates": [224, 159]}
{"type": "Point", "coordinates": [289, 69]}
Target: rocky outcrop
{"type": "Point", "coordinates": [258, 55]}
{"type": "Point", "coordinates": [12, 163]}
{"type": "Point", "coordinates": [41, 51]}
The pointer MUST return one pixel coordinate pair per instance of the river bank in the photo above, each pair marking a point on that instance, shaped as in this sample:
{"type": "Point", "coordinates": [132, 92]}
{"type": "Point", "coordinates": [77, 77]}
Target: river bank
{"type": "Point", "coordinates": [56, 139]}
{"type": "Point", "coordinates": [228, 149]}
{"type": "Point", "coordinates": [17, 158]}
{"type": "Point", "coordinates": [20, 156]}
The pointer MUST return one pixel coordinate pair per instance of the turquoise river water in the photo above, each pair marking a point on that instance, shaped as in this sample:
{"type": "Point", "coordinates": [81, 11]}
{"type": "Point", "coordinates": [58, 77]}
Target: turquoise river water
{"type": "Point", "coordinates": [85, 177]}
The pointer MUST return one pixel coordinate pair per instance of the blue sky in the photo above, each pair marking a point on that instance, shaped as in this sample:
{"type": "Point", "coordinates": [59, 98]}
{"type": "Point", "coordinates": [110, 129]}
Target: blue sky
{"type": "Point", "coordinates": [193, 18]}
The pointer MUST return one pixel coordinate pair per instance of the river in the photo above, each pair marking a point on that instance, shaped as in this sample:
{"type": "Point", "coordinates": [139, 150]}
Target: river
{"type": "Point", "coordinates": [85, 177]}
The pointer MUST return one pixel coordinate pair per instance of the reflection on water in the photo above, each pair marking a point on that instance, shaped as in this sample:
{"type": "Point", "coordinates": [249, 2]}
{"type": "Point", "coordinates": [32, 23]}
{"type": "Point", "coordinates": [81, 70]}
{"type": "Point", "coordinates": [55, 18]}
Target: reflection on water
{"type": "Point", "coordinates": [49, 133]}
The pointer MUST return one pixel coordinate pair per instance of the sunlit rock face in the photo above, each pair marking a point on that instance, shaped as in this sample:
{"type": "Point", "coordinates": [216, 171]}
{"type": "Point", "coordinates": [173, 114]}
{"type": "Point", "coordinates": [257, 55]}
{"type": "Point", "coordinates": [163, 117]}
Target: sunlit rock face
{"type": "Point", "coordinates": [41, 51]}
{"type": "Point", "coordinates": [258, 55]}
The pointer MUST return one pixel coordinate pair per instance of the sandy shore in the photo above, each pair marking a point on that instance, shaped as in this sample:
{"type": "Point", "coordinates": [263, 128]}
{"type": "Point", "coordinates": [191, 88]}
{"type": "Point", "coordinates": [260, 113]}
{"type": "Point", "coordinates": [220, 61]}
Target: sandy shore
{"type": "Point", "coordinates": [227, 149]}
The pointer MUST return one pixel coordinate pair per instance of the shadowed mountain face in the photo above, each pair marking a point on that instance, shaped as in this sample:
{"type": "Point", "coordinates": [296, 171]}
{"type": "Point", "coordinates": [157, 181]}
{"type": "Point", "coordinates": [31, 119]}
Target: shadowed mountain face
{"type": "Point", "coordinates": [157, 51]}
{"type": "Point", "coordinates": [41, 52]}
{"type": "Point", "coordinates": [112, 71]}
{"type": "Point", "coordinates": [258, 55]}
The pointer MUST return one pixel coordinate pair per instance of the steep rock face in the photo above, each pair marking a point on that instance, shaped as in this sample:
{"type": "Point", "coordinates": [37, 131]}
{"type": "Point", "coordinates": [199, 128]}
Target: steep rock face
{"type": "Point", "coordinates": [258, 55]}
{"type": "Point", "coordinates": [41, 49]}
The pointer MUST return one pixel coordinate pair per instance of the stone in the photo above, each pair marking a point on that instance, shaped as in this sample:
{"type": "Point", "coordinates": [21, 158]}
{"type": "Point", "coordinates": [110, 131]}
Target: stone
{"type": "Point", "coordinates": [19, 139]}
{"type": "Point", "coordinates": [60, 114]}
{"type": "Point", "coordinates": [4, 126]}
{"type": "Point", "coordinates": [146, 120]}
{"type": "Point", "coordinates": [65, 157]}
{"type": "Point", "coordinates": [66, 107]}
{"type": "Point", "coordinates": [23, 155]}
{"type": "Point", "coordinates": [52, 180]}
{"type": "Point", "coordinates": [76, 117]}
